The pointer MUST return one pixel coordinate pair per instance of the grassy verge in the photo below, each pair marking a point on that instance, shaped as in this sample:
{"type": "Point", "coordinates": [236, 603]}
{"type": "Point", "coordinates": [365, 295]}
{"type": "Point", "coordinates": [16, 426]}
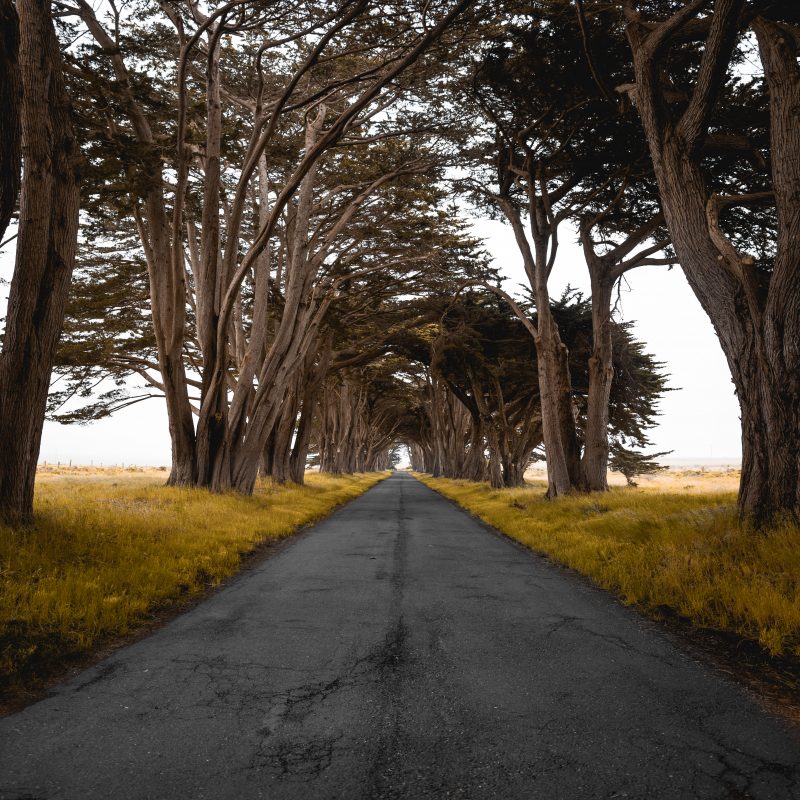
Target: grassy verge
{"type": "Point", "coordinates": [109, 552]}
{"type": "Point", "coordinates": [685, 552]}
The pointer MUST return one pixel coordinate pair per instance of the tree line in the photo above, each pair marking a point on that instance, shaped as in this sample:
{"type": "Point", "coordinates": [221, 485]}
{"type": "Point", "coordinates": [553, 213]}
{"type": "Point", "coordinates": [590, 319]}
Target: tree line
{"type": "Point", "coordinates": [272, 231]}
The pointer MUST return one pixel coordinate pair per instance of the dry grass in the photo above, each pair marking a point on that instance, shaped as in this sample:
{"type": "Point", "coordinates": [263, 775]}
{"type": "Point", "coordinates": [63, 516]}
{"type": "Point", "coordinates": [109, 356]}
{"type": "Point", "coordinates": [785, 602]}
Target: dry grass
{"type": "Point", "coordinates": [682, 550]}
{"type": "Point", "coordinates": [46, 470]}
{"type": "Point", "coordinates": [109, 549]}
{"type": "Point", "coordinates": [700, 480]}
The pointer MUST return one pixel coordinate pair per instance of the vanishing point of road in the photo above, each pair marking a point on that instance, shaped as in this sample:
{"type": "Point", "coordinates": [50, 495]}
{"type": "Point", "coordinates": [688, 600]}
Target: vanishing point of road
{"type": "Point", "coordinates": [400, 649]}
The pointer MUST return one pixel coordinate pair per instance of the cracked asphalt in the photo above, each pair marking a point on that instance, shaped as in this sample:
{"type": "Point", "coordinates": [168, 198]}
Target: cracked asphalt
{"type": "Point", "coordinates": [400, 649]}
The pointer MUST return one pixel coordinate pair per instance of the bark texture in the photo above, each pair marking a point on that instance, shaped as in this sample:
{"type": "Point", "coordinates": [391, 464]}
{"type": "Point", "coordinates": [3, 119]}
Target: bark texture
{"type": "Point", "coordinates": [594, 462]}
{"type": "Point", "coordinates": [48, 228]}
{"type": "Point", "coordinates": [756, 315]}
{"type": "Point", "coordinates": [10, 101]}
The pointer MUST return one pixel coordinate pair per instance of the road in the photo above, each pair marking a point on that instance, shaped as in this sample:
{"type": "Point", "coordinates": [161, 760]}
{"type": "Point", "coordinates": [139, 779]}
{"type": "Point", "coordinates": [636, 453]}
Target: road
{"type": "Point", "coordinates": [400, 649]}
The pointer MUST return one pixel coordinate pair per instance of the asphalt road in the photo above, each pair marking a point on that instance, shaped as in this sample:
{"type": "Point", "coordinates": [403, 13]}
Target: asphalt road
{"type": "Point", "coordinates": [400, 650]}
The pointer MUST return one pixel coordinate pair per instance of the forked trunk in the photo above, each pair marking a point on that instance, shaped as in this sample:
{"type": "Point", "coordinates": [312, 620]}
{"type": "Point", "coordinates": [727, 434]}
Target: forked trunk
{"type": "Point", "coordinates": [513, 474]}
{"type": "Point", "coordinates": [759, 340]}
{"type": "Point", "coordinates": [284, 430]}
{"type": "Point", "coordinates": [299, 457]}
{"type": "Point", "coordinates": [559, 432]}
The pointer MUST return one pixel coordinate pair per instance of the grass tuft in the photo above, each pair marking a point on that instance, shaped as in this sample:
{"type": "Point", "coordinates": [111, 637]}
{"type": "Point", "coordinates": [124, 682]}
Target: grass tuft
{"type": "Point", "coordinates": [685, 552]}
{"type": "Point", "coordinates": [108, 552]}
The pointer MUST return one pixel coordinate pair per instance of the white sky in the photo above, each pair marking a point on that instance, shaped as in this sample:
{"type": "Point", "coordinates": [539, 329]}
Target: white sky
{"type": "Point", "coordinates": [699, 421]}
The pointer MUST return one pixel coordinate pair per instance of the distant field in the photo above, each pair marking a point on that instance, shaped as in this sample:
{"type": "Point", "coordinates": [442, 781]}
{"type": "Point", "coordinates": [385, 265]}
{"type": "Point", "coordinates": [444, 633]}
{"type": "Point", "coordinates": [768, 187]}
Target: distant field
{"type": "Point", "coordinates": [695, 479]}
{"type": "Point", "coordinates": [44, 471]}
{"type": "Point", "coordinates": [675, 543]}
{"type": "Point", "coordinates": [112, 548]}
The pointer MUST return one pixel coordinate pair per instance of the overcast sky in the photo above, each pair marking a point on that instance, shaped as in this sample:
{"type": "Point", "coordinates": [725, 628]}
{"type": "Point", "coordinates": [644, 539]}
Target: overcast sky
{"type": "Point", "coordinates": [699, 421]}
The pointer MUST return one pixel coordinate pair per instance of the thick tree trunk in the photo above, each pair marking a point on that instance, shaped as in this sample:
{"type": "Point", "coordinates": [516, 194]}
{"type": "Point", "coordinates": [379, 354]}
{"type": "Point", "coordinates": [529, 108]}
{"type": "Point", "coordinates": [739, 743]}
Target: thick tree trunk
{"type": "Point", "coordinates": [265, 466]}
{"type": "Point", "coordinates": [495, 466]}
{"type": "Point", "coordinates": [778, 396]}
{"type": "Point", "coordinates": [594, 463]}
{"type": "Point", "coordinates": [181, 424]}
{"type": "Point", "coordinates": [475, 461]}
{"type": "Point", "coordinates": [10, 102]}
{"type": "Point", "coordinates": [758, 323]}
{"type": "Point", "coordinates": [284, 430]}
{"type": "Point", "coordinates": [48, 229]}
{"type": "Point", "coordinates": [558, 422]}
{"type": "Point", "coordinates": [725, 302]}
{"type": "Point", "coordinates": [513, 474]}
{"type": "Point", "coordinates": [416, 455]}
{"type": "Point", "coordinates": [314, 375]}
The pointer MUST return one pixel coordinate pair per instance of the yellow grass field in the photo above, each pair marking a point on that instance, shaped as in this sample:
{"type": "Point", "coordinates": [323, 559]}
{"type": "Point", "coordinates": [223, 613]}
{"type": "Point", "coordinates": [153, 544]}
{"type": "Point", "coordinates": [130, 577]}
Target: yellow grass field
{"type": "Point", "coordinates": [661, 545]}
{"type": "Point", "coordinates": [698, 480]}
{"type": "Point", "coordinates": [110, 549]}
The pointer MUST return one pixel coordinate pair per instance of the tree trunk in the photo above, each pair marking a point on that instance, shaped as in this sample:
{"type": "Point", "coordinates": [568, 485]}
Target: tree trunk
{"type": "Point", "coordinates": [314, 375]}
{"type": "Point", "coordinates": [163, 250]}
{"type": "Point", "coordinates": [475, 461]}
{"type": "Point", "coordinates": [558, 423]}
{"type": "Point", "coordinates": [684, 197]}
{"type": "Point", "coordinates": [779, 352]}
{"type": "Point", "coordinates": [213, 442]}
{"type": "Point", "coordinates": [604, 271]}
{"type": "Point", "coordinates": [181, 424]}
{"type": "Point", "coordinates": [594, 464]}
{"type": "Point", "coordinates": [10, 101]}
{"type": "Point", "coordinates": [757, 319]}
{"type": "Point", "coordinates": [284, 431]}
{"type": "Point", "coordinates": [559, 432]}
{"type": "Point", "coordinates": [513, 474]}
{"type": "Point", "coordinates": [46, 245]}
{"type": "Point", "coordinates": [495, 467]}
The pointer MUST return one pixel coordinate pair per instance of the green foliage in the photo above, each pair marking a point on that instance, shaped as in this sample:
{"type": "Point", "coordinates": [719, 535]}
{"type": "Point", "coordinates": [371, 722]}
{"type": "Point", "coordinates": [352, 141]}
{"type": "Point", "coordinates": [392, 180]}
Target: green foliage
{"type": "Point", "coordinates": [484, 347]}
{"type": "Point", "coordinates": [107, 337]}
{"type": "Point", "coordinates": [632, 462]}
{"type": "Point", "coordinates": [406, 242]}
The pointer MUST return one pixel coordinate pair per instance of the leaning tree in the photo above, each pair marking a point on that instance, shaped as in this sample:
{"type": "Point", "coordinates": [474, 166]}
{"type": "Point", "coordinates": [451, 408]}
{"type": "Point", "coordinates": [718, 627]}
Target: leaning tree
{"type": "Point", "coordinates": [221, 154]}
{"type": "Point", "coordinates": [695, 103]}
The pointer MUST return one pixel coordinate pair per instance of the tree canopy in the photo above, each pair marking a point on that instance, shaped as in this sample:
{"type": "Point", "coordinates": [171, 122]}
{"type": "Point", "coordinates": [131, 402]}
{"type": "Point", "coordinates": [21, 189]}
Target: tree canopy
{"type": "Point", "coordinates": [275, 207]}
